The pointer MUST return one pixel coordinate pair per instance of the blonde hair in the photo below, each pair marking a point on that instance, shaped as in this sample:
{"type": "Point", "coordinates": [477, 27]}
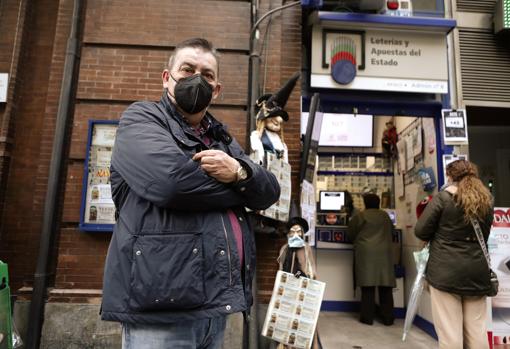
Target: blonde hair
{"type": "Point", "coordinates": [472, 195]}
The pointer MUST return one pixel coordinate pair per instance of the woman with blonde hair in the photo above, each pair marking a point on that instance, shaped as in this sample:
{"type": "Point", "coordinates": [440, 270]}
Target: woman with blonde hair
{"type": "Point", "coordinates": [457, 271]}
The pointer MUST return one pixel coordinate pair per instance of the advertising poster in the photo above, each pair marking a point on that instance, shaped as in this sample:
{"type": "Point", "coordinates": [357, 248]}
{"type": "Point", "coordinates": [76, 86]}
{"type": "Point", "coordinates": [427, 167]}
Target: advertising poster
{"type": "Point", "coordinates": [409, 153]}
{"type": "Point", "coordinates": [416, 135]}
{"type": "Point", "coordinates": [402, 156]}
{"type": "Point", "coordinates": [293, 310]}
{"type": "Point", "coordinates": [281, 169]}
{"type": "Point", "coordinates": [499, 249]}
{"type": "Point", "coordinates": [98, 207]}
{"type": "Point", "coordinates": [454, 126]}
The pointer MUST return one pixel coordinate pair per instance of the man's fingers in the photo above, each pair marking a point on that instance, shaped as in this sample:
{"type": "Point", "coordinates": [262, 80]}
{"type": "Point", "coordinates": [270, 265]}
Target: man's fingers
{"type": "Point", "coordinates": [210, 152]}
{"type": "Point", "coordinates": [208, 167]}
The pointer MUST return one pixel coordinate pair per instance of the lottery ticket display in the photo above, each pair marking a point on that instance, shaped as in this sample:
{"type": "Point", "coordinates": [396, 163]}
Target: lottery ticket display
{"type": "Point", "coordinates": [98, 207]}
{"type": "Point", "coordinates": [293, 310]}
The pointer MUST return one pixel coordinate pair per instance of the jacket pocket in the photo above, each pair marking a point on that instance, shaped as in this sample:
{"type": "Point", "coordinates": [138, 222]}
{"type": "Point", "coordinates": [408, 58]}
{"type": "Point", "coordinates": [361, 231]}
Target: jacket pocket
{"type": "Point", "coordinates": [167, 272]}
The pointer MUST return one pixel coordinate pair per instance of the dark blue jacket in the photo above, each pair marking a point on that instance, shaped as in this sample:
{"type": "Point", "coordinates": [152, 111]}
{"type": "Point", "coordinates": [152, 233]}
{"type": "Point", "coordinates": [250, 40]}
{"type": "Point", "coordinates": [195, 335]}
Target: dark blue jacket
{"type": "Point", "coordinates": [173, 254]}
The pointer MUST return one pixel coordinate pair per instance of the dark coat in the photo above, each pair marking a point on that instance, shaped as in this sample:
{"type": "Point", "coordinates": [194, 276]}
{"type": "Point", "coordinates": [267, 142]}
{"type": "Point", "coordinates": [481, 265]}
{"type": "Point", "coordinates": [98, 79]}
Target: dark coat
{"type": "Point", "coordinates": [456, 263]}
{"type": "Point", "coordinates": [371, 233]}
{"type": "Point", "coordinates": [173, 254]}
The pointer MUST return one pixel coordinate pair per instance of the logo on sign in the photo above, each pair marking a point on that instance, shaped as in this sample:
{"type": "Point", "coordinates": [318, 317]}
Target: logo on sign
{"type": "Point", "coordinates": [501, 218]}
{"type": "Point", "coordinates": [343, 60]}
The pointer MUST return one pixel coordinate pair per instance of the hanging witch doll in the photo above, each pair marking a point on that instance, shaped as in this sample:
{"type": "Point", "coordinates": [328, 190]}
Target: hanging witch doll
{"type": "Point", "coordinates": [268, 137]}
{"type": "Point", "coordinates": [296, 255]}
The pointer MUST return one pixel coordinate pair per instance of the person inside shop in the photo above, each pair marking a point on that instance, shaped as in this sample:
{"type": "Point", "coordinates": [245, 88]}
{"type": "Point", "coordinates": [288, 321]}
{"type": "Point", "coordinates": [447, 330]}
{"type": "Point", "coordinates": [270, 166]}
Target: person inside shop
{"type": "Point", "coordinates": [268, 137]}
{"type": "Point", "coordinates": [457, 269]}
{"type": "Point", "coordinates": [371, 233]}
{"type": "Point", "coordinates": [181, 257]}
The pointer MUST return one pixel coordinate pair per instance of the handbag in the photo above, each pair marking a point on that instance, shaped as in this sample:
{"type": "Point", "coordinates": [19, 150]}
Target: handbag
{"type": "Point", "coordinates": [493, 277]}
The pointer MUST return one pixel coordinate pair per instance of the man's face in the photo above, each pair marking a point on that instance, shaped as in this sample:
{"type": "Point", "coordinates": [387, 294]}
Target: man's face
{"type": "Point", "coordinates": [274, 123]}
{"type": "Point", "coordinates": [189, 61]}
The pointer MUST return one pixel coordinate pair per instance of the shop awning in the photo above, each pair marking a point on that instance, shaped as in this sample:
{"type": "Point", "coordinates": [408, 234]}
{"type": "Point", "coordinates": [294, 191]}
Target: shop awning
{"type": "Point", "coordinates": [377, 21]}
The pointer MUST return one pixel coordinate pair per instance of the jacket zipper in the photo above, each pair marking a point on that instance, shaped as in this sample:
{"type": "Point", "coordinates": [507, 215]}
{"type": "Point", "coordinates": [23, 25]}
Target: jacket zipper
{"type": "Point", "coordinates": [228, 251]}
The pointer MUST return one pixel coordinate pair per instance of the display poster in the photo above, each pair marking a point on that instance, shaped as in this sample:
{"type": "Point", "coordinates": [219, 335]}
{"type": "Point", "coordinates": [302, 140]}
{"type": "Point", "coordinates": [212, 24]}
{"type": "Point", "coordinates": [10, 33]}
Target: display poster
{"type": "Point", "coordinates": [402, 158]}
{"type": "Point", "coordinates": [399, 185]}
{"type": "Point", "coordinates": [409, 153]}
{"type": "Point", "coordinates": [454, 126]}
{"type": "Point", "coordinates": [429, 133]}
{"type": "Point", "coordinates": [293, 311]}
{"type": "Point", "coordinates": [417, 141]}
{"type": "Point", "coordinates": [281, 169]}
{"type": "Point", "coordinates": [308, 209]}
{"type": "Point", "coordinates": [499, 249]}
{"type": "Point", "coordinates": [98, 207]}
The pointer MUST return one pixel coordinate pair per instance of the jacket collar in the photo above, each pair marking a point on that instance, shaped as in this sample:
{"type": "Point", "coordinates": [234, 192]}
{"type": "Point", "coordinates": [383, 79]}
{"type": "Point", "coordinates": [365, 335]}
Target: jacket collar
{"type": "Point", "coordinates": [180, 129]}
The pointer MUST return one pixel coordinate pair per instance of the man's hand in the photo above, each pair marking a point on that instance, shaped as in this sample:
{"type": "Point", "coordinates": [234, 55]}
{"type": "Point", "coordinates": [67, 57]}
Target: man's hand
{"type": "Point", "coordinates": [218, 165]}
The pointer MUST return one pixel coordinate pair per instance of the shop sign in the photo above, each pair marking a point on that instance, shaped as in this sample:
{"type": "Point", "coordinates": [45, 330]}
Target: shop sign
{"type": "Point", "coordinates": [4, 79]}
{"type": "Point", "coordinates": [499, 245]}
{"type": "Point", "coordinates": [98, 209]}
{"type": "Point", "coordinates": [380, 59]}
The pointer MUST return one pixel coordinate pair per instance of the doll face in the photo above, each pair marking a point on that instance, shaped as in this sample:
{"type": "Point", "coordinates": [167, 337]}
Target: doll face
{"type": "Point", "coordinates": [273, 123]}
{"type": "Point", "coordinates": [295, 230]}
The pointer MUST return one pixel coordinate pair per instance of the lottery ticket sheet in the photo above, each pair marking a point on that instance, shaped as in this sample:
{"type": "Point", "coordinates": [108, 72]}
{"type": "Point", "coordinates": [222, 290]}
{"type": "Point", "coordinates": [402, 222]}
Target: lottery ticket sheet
{"type": "Point", "coordinates": [293, 310]}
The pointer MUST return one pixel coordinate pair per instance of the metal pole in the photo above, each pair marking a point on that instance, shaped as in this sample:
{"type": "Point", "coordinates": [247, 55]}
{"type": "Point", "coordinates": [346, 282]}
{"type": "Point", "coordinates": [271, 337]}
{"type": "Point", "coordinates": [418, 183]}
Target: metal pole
{"type": "Point", "coordinates": [41, 275]}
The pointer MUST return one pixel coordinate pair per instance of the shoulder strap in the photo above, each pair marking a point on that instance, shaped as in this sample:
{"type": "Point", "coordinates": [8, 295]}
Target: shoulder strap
{"type": "Point", "coordinates": [481, 241]}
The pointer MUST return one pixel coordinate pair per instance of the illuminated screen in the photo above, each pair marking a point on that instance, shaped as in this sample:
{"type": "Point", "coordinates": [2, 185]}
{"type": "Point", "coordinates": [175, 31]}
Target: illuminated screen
{"type": "Point", "coordinates": [331, 200]}
{"type": "Point", "coordinates": [346, 130]}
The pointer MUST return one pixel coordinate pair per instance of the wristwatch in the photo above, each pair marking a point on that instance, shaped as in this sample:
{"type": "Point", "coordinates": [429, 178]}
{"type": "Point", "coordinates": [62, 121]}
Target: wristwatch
{"type": "Point", "coordinates": [241, 173]}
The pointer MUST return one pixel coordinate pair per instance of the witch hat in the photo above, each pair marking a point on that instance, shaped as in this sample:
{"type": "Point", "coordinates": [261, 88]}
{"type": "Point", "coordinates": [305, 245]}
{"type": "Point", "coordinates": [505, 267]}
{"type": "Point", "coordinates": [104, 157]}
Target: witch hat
{"type": "Point", "coordinates": [295, 217]}
{"type": "Point", "coordinates": [272, 104]}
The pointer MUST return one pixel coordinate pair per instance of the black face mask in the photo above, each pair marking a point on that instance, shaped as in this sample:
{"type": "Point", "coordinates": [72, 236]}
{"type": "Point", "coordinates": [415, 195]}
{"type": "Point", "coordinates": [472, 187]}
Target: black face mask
{"type": "Point", "coordinates": [193, 94]}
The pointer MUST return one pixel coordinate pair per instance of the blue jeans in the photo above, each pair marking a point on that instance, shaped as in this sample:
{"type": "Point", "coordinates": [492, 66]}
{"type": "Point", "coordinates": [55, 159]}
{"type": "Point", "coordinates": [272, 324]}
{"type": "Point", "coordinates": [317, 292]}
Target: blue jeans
{"type": "Point", "coordinates": [197, 334]}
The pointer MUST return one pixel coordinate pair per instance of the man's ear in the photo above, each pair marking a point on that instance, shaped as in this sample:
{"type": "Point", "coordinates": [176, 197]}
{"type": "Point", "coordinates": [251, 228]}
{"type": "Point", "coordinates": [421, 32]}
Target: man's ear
{"type": "Point", "coordinates": [165, 77]}
{"type": "Point", "coordinates": [217, 91]}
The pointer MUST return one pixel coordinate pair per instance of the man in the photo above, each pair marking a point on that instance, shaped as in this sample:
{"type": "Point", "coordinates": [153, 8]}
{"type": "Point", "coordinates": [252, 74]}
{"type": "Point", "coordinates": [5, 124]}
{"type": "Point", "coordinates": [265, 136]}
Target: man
{"type": "Point", "coordinates": [181, 256]}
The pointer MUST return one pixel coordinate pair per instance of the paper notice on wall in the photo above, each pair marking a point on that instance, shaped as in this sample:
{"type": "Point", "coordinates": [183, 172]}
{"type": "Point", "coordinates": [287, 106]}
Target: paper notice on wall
{"type": "Point", "coordinates": [293, 311]}
{"type": "Point", "coordinates": [417, 141]}
{"type": "Point", "coordinates": [104, 135]}
{"type": "Point", "coordinates": [402, 158]}
{"type": "Point", "coordinates": [103, 157]}
{"type": "Point", "coordinates": [409, 153]}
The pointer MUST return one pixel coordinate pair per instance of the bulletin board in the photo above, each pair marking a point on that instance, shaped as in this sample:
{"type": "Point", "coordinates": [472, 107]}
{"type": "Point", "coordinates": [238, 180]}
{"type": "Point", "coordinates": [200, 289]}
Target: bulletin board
{"type": "Point", "coordinates": [97, 208]}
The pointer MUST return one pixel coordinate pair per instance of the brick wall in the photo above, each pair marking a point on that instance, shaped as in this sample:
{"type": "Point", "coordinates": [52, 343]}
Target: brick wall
{"type": "Point", "coordinates": [125, 47]}
{"type": "Point", "coordinates": [23, 123]}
